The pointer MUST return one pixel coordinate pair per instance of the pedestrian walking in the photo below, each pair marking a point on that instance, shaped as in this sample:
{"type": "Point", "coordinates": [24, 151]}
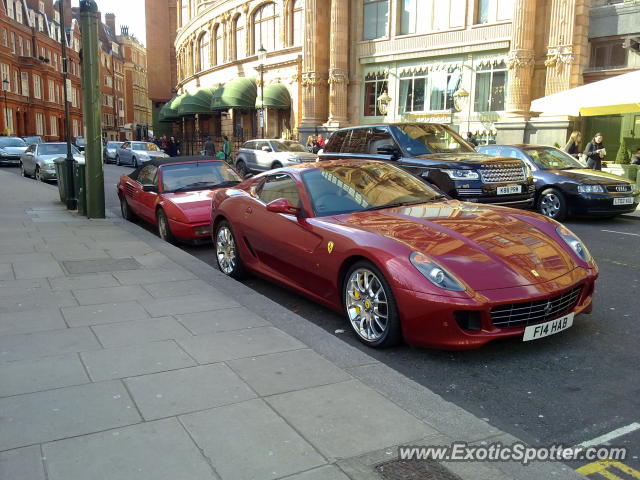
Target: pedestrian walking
{"type": "Point", "coordinates": [635, 159]}
{"type": "Point", "coordinates": [164, 144]}
{"type": "Point", "coordinates": [595, 152]}
{"type": "Point", "coordinates": [209, 147]}
{"type": "Point", "coordinates": [173, 147]}
{"type": "Point", "coordinates": [320, 141]}
{"type": "Point", "coordinates": [311, 141]}
{"type": "Point", "coordinates": [471, 139]}
{"type": "Point", "coordinates": [227, 149]}
{"type": "Point", "coordinates": [573, 145]}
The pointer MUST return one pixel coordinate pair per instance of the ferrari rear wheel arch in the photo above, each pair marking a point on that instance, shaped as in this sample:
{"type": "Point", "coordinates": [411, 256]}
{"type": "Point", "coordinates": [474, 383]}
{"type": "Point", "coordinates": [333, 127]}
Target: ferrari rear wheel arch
{"type": "Point", "coordinates": [164, 229]}
{"type": "Point", "coordinates": [227, 251]}
{"type": "Point", "coordinates": [370, 305]}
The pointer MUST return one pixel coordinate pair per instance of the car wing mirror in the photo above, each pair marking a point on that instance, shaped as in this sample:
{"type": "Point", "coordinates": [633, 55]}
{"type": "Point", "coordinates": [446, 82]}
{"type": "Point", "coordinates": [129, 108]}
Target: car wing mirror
{"type": "Point", "coordinates": [282, 205]}
{"type": "Point", "coordinates": [150, 188]}
{"type": "Point", "coordinates": [389, 149]}
{"type": "Point", "coordinates": [266, 149]}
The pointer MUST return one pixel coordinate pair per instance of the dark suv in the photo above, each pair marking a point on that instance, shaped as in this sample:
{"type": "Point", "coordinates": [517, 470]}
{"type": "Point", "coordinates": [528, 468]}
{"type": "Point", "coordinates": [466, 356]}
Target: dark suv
{"type": "Point", "coordinates": [440, 157]}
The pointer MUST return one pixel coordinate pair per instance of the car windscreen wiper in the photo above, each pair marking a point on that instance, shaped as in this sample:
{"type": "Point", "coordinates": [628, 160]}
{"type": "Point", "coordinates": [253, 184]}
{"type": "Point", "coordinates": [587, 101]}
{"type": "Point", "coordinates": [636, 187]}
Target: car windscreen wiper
{"type": "Point", "coordinates": [401, 204]}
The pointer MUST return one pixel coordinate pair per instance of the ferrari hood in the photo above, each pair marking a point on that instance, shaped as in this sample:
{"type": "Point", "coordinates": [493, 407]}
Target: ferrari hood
{"type": "Point", "coordinates": [487, 247]}
{"type": "Point", "coordinates": [196, 206]}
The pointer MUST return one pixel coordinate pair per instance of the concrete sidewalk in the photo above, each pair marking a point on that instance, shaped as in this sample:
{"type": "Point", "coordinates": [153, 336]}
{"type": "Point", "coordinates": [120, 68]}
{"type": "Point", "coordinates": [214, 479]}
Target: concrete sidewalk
{"type": "Point", "coordinates": [123, 357]}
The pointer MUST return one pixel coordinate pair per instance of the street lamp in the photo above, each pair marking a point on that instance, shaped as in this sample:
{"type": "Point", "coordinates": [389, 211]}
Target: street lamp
{"type": "Point", "coordinates": [262, 56]}
{"type": "Point", "coordinates": [384, 100]}
{"type": "Point", "coordinates": [5, 87]}
{"type": "Point", "coordinates": [68, 162]}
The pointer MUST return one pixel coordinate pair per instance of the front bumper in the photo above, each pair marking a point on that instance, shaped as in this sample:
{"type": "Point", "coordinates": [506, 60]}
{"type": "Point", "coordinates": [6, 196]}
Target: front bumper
{"type": "Point", "coordinates": [601, 204]}
{"type": "Point", "coordinates": [487, 193]}
{"type": "Point", "coordinates": [430, 320]}
{"type": "Point", "coordinates": [10, 160]}
{"type": "Point", "coordinates": [196, 233]}
{"type": "Point", "coordinates": [48, 173]}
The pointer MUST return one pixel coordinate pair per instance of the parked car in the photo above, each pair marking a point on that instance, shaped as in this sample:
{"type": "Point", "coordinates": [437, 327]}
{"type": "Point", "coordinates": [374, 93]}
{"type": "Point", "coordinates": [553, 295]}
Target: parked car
{"type": "Point", "coordinates": [31, 140]}
{"type": "Point", "coordinates": [440, 157]}
{"type": "Point", "coordinates": [262, 155]}
{"type": "Point", "coordinates": [80, 143]}
{"type": "Point", "coordinates": [399, 259]}
{"type": "Point", "coordinates": [564, 186]}
{"type": "Point", "coordinates": [175, 194]}
{"type": "Point", "coordinates": [109, 151]}
{"type": "Point", "coordinates": [11, 148]}
{"type": "Point", "coordinates": [37, 160]}
{"type": "Point", "coordinates": [137, 153]}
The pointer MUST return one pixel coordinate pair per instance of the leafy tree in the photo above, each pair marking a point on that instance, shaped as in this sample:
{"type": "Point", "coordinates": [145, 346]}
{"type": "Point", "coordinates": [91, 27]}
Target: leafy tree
{"type": "Point", "coordinates": [623, 156]}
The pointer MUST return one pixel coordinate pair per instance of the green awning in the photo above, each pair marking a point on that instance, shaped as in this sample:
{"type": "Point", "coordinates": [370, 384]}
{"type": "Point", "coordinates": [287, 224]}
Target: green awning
{"type": "Point", "coordinates": [238, 93]}
{"type": "Point", "coordinates": [275, 96]}
{"type": "Point", "coordinates": [169, 112]}
{"type": "Point", "coordinates": [196, 103]}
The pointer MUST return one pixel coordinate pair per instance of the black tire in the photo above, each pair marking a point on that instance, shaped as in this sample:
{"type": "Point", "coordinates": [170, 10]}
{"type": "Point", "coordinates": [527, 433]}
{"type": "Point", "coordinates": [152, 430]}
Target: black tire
{"type": "Point", "coordinates": [241, 168]}
{"type": "Point", "coordinates": [134, 162]}
{"type": "Point", "coordinates": [552, 204]}
{"type": "Point", "coordinates": [118, 160]}
{"type": "Point", "coordinates": [236, 268]}
{"type": "Point", "coordinates": [164, 229]}
{"type": "Point", "coordinates": [37, 175]}
{"type": "Point", "coordinates": [126, 212]}
{"type": "Point", "coordinates": [392, 332]}
{"type": "Point", "coordinates": [276, 165]}
{"type": "Point", "coordinates": [22, 170]}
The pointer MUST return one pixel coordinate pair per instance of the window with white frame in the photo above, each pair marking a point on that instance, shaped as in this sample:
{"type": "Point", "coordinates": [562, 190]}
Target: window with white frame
{"type": "Point", "coordinates": [6, 82]}
{"type": "Point", "coordinates": [16, 82]}
{"type": "Point", "coordinates": [52, 91]}
{"type": "Point", "coordinates": [76, 127]}
{"type": "Point", "coordinates": [219, 36]}
{"type": "Point", "coordinates": [10, 8]}
{"type": "Point", "coordinates": [266, 25]}
{"type": "Point", "coordinates": [492, 11]}
{"type": "Point", "coordinates": [56, 16]}
{"type": "Point", "coordinates": [40, 23]}
{"type": "Point", "coordinates": [13, 42]}
{"type": "Point", "coordinates": [428, 91]}
{"type": "Point", "coordinates": [5, 37]}
{"type": "Point", "coordinates": [376, 18]}
{"type": "Point", "coordinates": [20, 46]}
{"type": "Point", "coordinates": [491, 87]}
{"type": "Point", "coordinates": [18, 12]}
{"type": "Point", "coordinates": [184, 12]}
{"type": "Point", "coordinates": [28, 45]}
{"type": "Point", "coordinates": [53, 120]}
{"type": "Point", "coordinates": [37, 86]}
{"type": "Point", "coordinates": [41, 6]}
{"type": "Point", "coordinates": [298, 22]}
{"type": "Point", "coordinates": [39, 124]}
{"type": "Point", "coordinates": [8, 120]}
{"type": "Point", "coordinates": [108, 81]}
{"type": "Point", "coordinates": [203, 49]}
{"type": "Point", "coordinates": [374, 85]}
{"type": "Point", "coordinates": [24, 79]}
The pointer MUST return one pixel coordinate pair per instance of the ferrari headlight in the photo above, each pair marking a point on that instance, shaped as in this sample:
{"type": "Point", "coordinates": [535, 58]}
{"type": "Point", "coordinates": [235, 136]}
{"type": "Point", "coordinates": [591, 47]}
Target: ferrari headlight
{"type": "Point", "coordinates": [591, 189]}
{"type": "Point", "coordinates": [435, 273]}
{"type": "Point", "coordinates": [459, 174]}
{"type": "Point", "coordinates": [574, 242]}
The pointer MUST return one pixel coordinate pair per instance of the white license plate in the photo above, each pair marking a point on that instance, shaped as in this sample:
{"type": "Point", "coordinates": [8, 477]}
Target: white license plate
{"type": "Point", "coordinates": [509, 189]}
{"type": "Point", "coordinates": [548, 328]}
{"type": "Point", "coordinates": [623, 201]}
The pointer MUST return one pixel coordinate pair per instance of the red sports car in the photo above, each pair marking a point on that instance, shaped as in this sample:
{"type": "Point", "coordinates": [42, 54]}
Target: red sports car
{"type": "Point", "coordinates": [175, 194]}
{"type": "Point", "coordinates": [399, 259]}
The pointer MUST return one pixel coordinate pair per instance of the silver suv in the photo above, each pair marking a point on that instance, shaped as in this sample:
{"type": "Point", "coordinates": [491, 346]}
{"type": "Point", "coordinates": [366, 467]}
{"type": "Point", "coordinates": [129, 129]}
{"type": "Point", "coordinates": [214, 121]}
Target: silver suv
{"type": "Point", "coordinates": [263, 155]}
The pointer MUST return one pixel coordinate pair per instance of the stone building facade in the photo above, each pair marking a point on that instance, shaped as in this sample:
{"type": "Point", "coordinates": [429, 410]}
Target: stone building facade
{"type": "Point", "coordinates": [112, 84]}
{"type": "Point", "coordinates": [31, 69]}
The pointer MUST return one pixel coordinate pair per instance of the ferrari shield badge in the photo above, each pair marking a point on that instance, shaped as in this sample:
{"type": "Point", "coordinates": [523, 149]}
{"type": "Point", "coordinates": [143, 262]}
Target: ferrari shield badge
{"type": "Point", "coordinates": [330, 247]}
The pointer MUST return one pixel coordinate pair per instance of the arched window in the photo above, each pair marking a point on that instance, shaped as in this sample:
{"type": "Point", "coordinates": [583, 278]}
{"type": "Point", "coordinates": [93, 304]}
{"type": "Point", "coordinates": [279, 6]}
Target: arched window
{"type": "Point", "coordinates": [239, 38]}
{"type": "Point", "coordinates": [203, 49]}
{"type": "Point", "coordinates": [219, 36]}
{"type": "Point", "coordinates": [184, 12]}
{"type": "Point", "coordinates": [298, 22]}
{"type": "Point", "coordinates": [265, 28]}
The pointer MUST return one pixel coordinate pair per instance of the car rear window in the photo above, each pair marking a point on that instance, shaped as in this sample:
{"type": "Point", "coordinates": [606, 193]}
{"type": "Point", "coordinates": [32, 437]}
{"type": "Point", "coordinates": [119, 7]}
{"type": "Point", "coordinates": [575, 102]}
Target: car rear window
{"type": "Point", "coordinates": [356, 142]}
{"type": "Point", "coordinates": [334, 145]}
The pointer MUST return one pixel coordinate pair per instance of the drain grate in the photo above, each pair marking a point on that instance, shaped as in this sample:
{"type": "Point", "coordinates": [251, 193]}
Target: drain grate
{"type": "Point", "coordinates": [101, 265]}
{"type": "Point", "coordinates": [414, 470]}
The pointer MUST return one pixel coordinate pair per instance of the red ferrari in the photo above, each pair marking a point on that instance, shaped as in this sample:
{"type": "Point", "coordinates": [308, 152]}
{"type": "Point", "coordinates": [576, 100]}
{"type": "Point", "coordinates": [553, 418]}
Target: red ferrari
{"type": "Point", "coordinates": [399, 259]}
{"type": "Point", "coordinates": [175, 194]}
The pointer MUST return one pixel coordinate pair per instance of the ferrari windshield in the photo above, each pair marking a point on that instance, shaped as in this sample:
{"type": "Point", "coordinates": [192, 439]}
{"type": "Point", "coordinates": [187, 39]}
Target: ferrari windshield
{"type": "Point", "coordinates": [288, 146]}
{"type": "Point", "coordinates": [338, 189]}
{"type": "Point", "coordinates": [423, 139]}
{"type": "Point", "coordinates": [197, 176]}
{"type": "Point", "coordinates": [551, 158]}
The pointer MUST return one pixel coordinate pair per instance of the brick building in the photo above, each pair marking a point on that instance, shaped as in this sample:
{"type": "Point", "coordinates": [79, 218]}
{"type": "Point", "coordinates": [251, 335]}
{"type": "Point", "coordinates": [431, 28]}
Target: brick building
{"type": "Point", "coordinates": [31, 69]}
{"type": "Point", "coordinates": [113, 81]}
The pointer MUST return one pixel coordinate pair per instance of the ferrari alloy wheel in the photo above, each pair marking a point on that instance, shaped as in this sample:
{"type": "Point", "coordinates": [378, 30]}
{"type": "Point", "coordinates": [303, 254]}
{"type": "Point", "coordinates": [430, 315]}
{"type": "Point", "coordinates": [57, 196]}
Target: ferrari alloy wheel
{"type": "Point", "coordinates": [370, 306]}
{"type": "Point", "coordinates": [125, 210]}
{"type": "Point", "coordinates": [552, 204]}
{"type": "Point", "coordinates": [229, 260]}
{"type": "Point", "coordinates": [164, 230]}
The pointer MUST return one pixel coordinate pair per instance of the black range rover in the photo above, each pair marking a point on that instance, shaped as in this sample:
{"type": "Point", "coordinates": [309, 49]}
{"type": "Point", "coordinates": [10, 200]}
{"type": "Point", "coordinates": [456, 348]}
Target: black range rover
{"type": "Point", "coordinates": [439, 156]}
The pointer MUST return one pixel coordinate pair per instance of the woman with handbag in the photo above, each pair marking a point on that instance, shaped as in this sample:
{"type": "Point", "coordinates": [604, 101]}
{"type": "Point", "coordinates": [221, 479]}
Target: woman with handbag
{"type": "Point", "coordinates": [595, 152]}
{"type": "Point", "coordinates": [573, 145]}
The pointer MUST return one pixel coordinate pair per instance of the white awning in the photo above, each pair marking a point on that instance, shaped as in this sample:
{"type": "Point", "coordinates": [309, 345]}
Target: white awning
{"type": "Point", "coordinates": [620, 94]}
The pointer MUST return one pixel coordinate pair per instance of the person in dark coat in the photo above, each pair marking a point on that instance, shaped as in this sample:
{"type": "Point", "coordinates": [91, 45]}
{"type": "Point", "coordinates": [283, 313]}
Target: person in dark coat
{"type": "Point", "coordinates": [173, 148]}
{"type": "Point", "coordinates": [595, 152]}
{"type": "Point", "coordinates": [471, 139]}
{"type": "Point", "coordinates": [573, 145]}
{"type": "Point", "coordinates": [209, 147]}
{"type": "Point", "coordinates": [635, 159]}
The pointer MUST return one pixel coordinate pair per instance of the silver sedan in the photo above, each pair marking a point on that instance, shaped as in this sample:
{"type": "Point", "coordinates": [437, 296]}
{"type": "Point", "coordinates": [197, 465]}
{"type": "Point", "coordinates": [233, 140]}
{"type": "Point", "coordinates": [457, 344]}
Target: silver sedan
{"type": "Point", "coordinates": [137, 153]}
{"type": "Point", "coordinates": [38, 160]}
{"type": "Point", "coordinates": [109, 151]}
{"type": "Point", "coordinates": [263, 155]}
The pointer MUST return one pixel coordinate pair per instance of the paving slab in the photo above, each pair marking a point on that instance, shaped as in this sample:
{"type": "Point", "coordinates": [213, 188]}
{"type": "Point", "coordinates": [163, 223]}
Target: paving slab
{"type": "Point", "coordinates": [233, 434]}
{"type": "Point", "coordinates": [179, 288]}
{"type": "Point", "coordinates": [140, 331]}
{"type": "Point", "coordinates": [188, 390]}
{"type": "Point", "coordinates": [79, 282]}
{"type": "Point", "coordinates": [328, 472]}
{"type": "Point", "coordinates": [38, 300]}
{"type": "Point", "coordinates": [238, 344]}
{"type": "Point", "coordinates": [12, 288]}
{"type": "Point", "coordinates": [6, 271]}
{"type": "Point", "coordinates": [22, 464]}
{"type": "Point", "coordinates": [37, 269]}
{"type": "Point", "coordinates": [100, 266]}
{"type": "Point", "coordinates": [77, 252]}
{"type": "Point", "coordinates": [121, 362]}
{"type": "Point", "coordinates": [348, 419]}
{"type": "Point", "coordinates": [288, 371]}
{"type": "Point", "coordinates": [28, 321]}
{"type": "Point", "coordinates": [103, 313]}
{"type": "Point", "coordinates": [17, 378]}
{"type": "Point", "coordinates": [136, 277]}
{"type": "Point", "coordinates": [96, 296]}
{"type": "Point", "coordinates": [65, 412]}
{"type": "Point", "coordinates": [159, 450]}
{"type": "Point", "coordinates": [223, 320]}
{"type": "Point", "coordinates": [24, 257]}
{"type": "Point", "coordinates": [214, 300]}
{"type": "Point", "coordinates": [44, 344]}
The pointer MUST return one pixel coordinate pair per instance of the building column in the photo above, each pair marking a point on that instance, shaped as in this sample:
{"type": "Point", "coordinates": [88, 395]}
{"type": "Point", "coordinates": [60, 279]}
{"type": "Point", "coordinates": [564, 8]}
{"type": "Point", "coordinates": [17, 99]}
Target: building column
{"type": "Point", "coordinates": [521, 58]}
{"type": "Point", "coordinates": [315, 63]}
{"type": "Point", "coordinates": [339, 63]}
